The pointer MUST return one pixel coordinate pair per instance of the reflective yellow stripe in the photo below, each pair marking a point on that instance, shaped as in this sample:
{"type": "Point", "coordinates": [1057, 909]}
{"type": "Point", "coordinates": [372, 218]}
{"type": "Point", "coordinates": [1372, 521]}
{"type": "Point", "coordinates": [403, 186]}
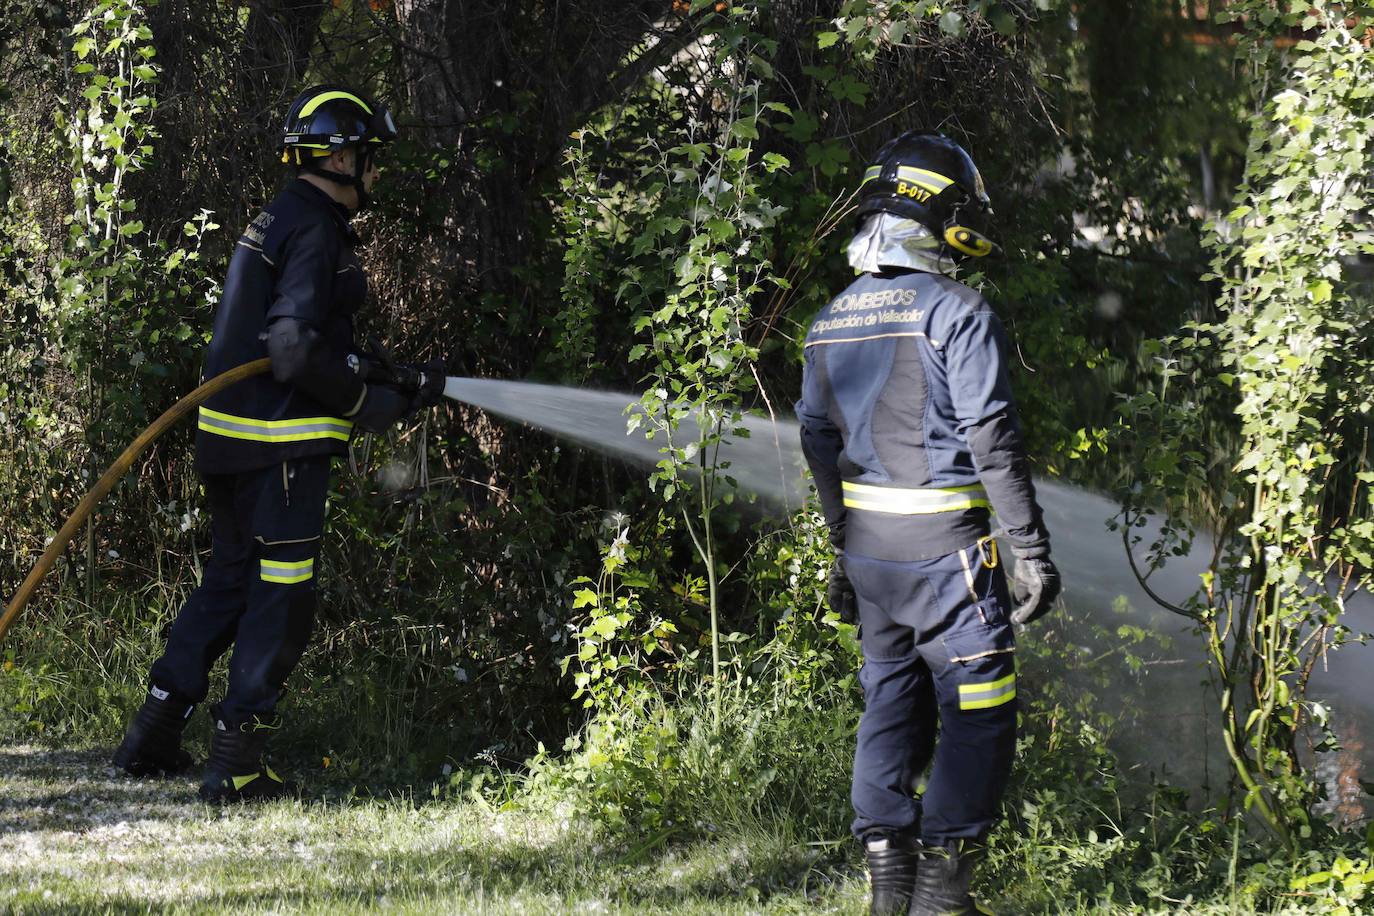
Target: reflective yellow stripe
{"type": "Point", "coordinates": [933, 182]}
{"type": "Point", "coordinates": [902, 501]}
{"type": "Point", "coordinates": [299, 430]}
{"type": "Point", "coordinates": [286, 572]}
{"type": "Point", "coordinates": [241, 781]}
{"type": "Point", "coordinates": [834, 340]}
{"type": "Point", "coordinates": [323, 97]}
{"type": "Point", "coordinates": [985, 696]}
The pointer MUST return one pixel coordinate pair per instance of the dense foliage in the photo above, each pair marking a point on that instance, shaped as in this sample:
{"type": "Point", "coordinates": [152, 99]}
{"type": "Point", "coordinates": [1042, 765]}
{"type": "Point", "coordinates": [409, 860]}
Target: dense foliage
{"type": "Point", "coordinates": [650, 196]}
{"type": "Point", "coordinates": [1288, 363]}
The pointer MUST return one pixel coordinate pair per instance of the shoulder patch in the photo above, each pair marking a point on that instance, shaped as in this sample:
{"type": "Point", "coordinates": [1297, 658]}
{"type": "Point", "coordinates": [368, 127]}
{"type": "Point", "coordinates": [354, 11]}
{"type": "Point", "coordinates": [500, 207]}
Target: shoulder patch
{"type": "Point", "coordinates": [866, 311]}
{"type": "Point", "coordinates": [257, 229]}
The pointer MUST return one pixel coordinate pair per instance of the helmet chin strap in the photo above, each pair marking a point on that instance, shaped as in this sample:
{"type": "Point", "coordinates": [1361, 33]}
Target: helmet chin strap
{"type": "Point", "coordinates": [360, 163]}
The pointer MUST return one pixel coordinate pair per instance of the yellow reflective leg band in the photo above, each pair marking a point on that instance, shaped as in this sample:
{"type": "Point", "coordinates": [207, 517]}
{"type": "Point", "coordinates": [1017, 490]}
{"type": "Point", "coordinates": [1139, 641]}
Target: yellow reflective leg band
{"type": "Point", "coordinates": [988, 695]}
{"type": "Point", "coordinates": [241, 781]}
{"type": "Point", "coordinates": [286, 572]}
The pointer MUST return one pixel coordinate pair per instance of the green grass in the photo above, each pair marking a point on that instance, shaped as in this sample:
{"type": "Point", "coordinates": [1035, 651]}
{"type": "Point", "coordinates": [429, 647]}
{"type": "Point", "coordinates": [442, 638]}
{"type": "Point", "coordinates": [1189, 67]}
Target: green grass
{"type": "Point", "coordinates": [77, 837]}
{"type": "Point", "coordinates": [742, 812]}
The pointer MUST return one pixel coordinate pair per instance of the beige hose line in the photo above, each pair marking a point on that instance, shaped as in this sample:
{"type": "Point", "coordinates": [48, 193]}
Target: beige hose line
{"type": "Point", "coordinates": [112, 476]}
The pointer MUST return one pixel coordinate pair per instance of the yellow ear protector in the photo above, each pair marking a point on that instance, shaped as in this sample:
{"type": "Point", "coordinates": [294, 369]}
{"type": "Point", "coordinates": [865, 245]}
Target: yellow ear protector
{"type": "Point", "coordinates": [286, 154]}
{"type": "Point", "coordinates": [964, 239]}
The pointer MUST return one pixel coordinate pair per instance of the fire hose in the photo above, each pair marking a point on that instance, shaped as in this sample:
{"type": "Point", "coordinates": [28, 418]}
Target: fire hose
{"type": "Point", "coordinates": [112, 476]}
{"type": "Point", "coordinates": [377, 367]}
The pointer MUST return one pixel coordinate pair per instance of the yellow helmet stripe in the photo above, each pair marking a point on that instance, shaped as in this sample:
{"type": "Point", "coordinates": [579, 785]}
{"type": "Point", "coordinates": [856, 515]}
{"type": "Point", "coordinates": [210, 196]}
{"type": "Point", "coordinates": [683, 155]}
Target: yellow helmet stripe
{"type": "Point", "coordinates": [323, 97]}
{"type": "Point", "coordinates": [933, 182]}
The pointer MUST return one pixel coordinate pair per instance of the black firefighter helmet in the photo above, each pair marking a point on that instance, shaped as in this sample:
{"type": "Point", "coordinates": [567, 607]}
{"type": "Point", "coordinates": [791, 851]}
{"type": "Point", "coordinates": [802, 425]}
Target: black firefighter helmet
{"type": "Point", "coordinates": [931, 179]}
{"type": "Point", "coordinates": [325, 119]}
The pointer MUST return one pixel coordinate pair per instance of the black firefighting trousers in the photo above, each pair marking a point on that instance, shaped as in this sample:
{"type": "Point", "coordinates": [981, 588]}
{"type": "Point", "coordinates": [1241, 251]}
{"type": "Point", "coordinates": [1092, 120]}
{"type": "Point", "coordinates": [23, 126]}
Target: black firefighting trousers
{"type": "Point", "coordinates": [257, 593]}
{"type": "Point", "coordinates": [938, 658]}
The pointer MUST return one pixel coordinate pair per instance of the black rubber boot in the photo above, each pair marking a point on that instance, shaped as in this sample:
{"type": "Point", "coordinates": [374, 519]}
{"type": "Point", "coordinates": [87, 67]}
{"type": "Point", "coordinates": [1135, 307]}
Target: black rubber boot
{"type": "Point", "coordinates": [891, 871]}
{"type": "Point", "coordinates": [152, 743]}
{"type": "Point", "coordinates": [943, 877]}
{"type": "Point", "coordinates": [236, 770]}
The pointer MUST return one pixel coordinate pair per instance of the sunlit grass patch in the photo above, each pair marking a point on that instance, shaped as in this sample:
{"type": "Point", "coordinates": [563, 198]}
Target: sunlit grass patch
{"type": "Point", "coordinates": [76, 837]}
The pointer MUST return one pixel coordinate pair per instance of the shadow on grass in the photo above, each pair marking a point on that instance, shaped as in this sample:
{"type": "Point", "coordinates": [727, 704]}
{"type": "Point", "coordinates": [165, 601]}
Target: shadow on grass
{"type": "Point", "coordinates": [51, 792]}
{"type": "Point", "coordinates": [56, 790]}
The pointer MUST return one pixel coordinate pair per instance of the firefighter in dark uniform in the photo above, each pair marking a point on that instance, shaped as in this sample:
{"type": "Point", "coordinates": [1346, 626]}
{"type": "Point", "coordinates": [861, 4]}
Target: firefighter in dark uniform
{"type": "Point", "coordinates": [264, 448]}
{"type": "Point", "coordinates": [912, 437]}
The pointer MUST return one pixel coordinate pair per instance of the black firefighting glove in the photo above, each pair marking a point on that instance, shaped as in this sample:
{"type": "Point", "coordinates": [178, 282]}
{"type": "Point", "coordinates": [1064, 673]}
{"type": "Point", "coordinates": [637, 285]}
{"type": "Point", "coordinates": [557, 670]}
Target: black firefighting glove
{"type": "Point", "coordinates": [382, 407]}
{"type": "Point", "coordinates": [1034, 586]}
{"type": "Point", "coordinates": [425, 381]}
{"type": "Point", "coordinates": [839, 592]}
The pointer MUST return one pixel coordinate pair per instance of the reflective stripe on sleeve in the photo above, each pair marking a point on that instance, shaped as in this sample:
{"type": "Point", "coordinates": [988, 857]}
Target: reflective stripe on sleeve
{"type": "Point", "coordinates": [305, 428]}
{"type": "Point", "coordinates": [902, 501]}
{"type": "Point", "coordinates": [985, 696]}
{"type": "Point", "coordinates": [286, 572]}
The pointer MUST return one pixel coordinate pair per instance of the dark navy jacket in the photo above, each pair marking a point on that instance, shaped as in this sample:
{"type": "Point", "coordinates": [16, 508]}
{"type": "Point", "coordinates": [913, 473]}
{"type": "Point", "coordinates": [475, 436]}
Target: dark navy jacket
{"type": "Point", "coordinates": [908, 424]}
{"type": "Point", "coordinates": [296, 260]}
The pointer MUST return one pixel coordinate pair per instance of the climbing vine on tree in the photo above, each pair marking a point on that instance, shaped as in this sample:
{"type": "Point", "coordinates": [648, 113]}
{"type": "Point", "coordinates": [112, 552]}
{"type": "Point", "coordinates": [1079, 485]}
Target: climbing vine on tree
{"type": "Point", "coordinates": [1291, 357]}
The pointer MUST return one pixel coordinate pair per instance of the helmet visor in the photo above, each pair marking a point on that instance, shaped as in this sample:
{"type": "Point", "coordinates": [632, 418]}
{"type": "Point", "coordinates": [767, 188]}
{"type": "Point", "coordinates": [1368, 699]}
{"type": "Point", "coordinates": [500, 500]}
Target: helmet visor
{"type": "Point", "coordinates": [382, 127]}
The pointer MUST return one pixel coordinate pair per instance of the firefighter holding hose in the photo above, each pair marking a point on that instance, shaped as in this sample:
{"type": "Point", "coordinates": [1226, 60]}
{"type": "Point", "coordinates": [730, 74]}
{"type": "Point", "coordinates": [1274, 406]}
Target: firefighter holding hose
{"type": "Point", "coordinates": [264, 448]}
{"type": "Point", "coordinates": [912, 436]}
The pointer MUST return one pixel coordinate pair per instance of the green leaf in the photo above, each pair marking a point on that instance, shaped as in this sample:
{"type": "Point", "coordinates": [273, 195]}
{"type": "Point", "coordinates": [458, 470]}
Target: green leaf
{"type": "Point", "coordinates": [584, 597]}
{"type": "Point", "coordinates": [720, 229]}
{"type": "Point", "coordinates": [824, 39]}
{"type": "Point", "coordinates": [606, 627]}
{"type": "Point", "coordinates": [744, 130]}
{"type": "Point", "coordinates": [774, 161]}
{"type": "Point", "coordinates": [849, 89]}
